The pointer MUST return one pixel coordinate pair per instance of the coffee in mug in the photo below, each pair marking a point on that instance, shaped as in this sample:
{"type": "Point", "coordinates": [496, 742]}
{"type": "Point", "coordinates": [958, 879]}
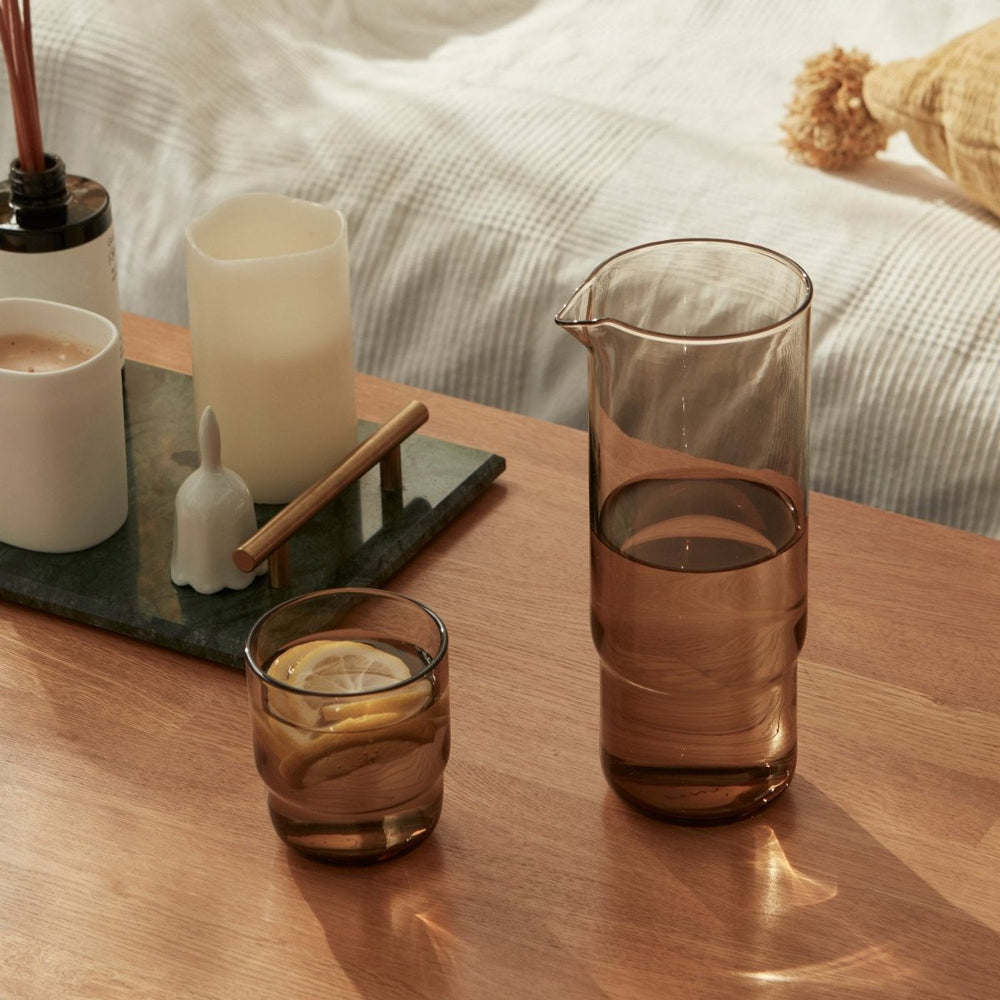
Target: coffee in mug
{"type": "Point", "coordinates": [41, 352]}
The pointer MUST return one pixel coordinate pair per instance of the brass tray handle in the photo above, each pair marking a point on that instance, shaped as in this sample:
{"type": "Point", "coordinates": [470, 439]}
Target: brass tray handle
{"type": "Point", "coordinates": [381, 448]}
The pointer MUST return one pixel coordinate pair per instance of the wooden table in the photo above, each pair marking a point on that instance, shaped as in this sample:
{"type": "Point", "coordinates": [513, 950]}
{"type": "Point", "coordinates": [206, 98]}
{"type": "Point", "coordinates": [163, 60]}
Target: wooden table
{"type": "Point", "coordinates": [138, 861]}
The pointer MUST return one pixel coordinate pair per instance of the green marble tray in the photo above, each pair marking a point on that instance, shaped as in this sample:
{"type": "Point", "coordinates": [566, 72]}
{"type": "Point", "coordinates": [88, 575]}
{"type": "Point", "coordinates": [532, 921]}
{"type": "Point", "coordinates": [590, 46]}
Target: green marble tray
{"type": "Point", "coordinates": [360, 539]}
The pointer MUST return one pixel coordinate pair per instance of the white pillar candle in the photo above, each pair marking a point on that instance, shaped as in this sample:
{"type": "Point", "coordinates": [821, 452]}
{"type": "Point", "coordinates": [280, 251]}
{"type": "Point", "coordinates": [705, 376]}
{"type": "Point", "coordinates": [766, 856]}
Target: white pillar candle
{"type": "Point", "coordinates": [269, 308]}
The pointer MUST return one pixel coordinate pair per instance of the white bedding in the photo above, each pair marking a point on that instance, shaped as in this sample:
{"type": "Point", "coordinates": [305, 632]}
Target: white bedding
{"type": "Point", "coordinates": [489, 153]}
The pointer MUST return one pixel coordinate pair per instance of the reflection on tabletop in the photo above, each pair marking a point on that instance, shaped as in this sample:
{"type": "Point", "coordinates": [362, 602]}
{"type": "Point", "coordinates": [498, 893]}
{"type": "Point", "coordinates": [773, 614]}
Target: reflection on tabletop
{"type": "Point", "coordinates": [799, 901]}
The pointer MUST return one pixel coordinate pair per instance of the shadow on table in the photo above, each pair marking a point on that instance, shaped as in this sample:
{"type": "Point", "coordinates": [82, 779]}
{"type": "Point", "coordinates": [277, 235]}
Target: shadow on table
{"type": "Point", "coordinates": [397, 929]}
{"type": "Point", "coordinates": [383, 923]}
{"type": "Point", "coordinates": [798, 902]}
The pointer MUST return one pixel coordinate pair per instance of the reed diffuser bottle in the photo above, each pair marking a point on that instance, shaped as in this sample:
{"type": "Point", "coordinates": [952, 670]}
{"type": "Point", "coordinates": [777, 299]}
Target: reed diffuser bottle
{"type": "Point", "coordinates": [56, 236]}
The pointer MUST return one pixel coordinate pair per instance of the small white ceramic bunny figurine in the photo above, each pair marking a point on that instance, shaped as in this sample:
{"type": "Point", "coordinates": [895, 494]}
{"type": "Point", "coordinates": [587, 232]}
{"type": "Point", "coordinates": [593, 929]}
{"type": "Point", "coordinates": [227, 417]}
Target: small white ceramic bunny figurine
{"type": "Point", "coordinates": [213, 514]}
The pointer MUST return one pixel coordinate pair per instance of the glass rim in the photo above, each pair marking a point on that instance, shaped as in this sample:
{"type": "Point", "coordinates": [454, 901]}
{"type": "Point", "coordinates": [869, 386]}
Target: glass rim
{"type": "Point", "coordinates": [369, 592]}
{"type": "Point", "coordinates": [804, 303]}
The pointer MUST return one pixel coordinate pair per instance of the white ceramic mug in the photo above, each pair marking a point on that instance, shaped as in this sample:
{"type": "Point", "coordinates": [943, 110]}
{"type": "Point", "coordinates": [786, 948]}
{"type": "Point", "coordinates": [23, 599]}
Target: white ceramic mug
{"type": "Point", "coordinates": [269, 308]}
{"type": "Point", "coordinates": [64, 484]}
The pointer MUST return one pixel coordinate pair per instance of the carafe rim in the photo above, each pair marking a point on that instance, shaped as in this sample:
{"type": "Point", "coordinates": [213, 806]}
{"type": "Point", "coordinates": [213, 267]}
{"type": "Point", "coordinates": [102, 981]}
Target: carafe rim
{"type": "Point", "coordinates": [576, 325]}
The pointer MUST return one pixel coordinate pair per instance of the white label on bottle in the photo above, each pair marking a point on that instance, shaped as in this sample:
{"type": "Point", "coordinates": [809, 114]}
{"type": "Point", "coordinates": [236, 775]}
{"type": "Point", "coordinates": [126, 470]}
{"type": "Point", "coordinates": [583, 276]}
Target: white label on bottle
{"type": "Point", "coordinates": [84, 276]}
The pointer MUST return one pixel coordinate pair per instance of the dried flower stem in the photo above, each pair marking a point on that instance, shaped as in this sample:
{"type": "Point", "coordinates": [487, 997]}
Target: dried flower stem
{"type": "Point", "coordinates": [15, 31]}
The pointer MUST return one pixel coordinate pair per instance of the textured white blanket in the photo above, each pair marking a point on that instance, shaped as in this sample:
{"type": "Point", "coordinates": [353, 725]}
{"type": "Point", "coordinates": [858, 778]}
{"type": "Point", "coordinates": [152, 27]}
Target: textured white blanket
{"type": "Point", "coordinates": [489, 153]}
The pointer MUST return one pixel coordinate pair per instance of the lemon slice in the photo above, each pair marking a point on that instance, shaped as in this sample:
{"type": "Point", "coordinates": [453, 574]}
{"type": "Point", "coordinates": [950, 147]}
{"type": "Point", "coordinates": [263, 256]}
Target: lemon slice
{"type": "Point", "coordinates": [338, 666]}
{"type": "Point", "coordinates": [326, 738]}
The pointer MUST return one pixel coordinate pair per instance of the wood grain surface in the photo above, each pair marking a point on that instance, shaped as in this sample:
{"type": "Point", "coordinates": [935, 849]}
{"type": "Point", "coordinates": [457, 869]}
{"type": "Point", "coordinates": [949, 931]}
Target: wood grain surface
{"type": "Point", "coordinates": [137, 860]}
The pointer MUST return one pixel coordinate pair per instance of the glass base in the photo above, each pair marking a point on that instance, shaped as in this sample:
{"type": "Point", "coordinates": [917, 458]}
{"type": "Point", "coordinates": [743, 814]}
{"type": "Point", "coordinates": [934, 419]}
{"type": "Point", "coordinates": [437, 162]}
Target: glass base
{"type": "Point", "coordinates": [358, 841]}
{"type": "Point", "coordinates": [698, 796]}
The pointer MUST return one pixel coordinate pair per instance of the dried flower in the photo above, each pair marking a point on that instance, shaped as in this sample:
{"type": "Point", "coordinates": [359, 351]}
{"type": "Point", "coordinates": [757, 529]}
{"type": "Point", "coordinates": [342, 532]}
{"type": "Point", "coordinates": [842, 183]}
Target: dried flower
{"type": "Point", "coordinates": [828, 125]}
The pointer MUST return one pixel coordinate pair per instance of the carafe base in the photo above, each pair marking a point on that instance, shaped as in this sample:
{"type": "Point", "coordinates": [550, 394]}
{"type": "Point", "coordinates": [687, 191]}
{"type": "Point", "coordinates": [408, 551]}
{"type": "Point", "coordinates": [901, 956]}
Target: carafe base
{"type": "Point", "coordinates": [698, 796]}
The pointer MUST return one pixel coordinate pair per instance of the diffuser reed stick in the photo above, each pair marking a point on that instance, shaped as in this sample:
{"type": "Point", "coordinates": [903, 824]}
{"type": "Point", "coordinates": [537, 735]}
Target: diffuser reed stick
{"type": "Point", "coordinates": [15, 31]}
{"type": "Point", "coordinates": [44, 210]}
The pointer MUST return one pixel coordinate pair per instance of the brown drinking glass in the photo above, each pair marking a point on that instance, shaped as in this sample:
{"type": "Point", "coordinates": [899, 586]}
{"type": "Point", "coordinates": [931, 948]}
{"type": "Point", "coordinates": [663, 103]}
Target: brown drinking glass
{"type": "Point", "coordinates": [349, 714]}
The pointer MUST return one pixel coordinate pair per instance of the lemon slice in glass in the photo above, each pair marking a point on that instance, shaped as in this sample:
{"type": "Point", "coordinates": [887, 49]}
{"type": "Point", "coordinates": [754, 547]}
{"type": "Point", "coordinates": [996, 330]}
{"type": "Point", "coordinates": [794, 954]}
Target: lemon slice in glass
{"type": "Point", "coordinates": [358, 712]}
{"type": "Point", "coordinates": [338, 666]}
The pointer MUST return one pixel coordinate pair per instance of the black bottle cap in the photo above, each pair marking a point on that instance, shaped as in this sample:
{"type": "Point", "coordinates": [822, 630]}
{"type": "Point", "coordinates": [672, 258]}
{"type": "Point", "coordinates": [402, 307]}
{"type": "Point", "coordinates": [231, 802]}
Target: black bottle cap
{"type": "Point", "coordinates": [47, 210]}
